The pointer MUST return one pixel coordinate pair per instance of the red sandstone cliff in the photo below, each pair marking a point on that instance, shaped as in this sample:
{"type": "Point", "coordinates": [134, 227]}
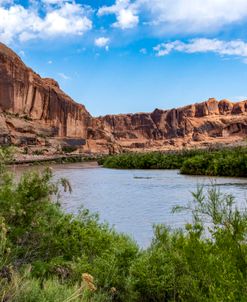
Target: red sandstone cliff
{"type": "Point", "coordinates": [33, 105]}
{"type": "Point", "coordinates": [199, 124]}
{"type": "Point", "coordinates": [36, 111]}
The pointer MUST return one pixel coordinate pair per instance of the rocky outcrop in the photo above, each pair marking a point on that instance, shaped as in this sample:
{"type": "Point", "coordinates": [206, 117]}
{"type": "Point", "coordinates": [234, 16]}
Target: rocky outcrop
{"type": "Point", "coordinates": [40, 104]}
{"type": "Point", "coordinates": [34, 111]}
{"type": "Point", "coordinates": [194, 125]}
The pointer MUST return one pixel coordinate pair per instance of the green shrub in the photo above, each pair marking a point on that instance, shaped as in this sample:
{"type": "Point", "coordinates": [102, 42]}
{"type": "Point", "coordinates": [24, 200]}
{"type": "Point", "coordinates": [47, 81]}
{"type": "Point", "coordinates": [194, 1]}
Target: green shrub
{"type": "Point", "coordinates": [154, 160]}
{"type": "Point", "coordinates": [59, 245]}
{"type": "Point", "coordinates": [191, 265]}
{"type": "Point", "coordinates": [222, 162]}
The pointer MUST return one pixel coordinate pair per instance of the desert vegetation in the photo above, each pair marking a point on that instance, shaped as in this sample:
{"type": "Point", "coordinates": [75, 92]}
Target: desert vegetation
{"type": "Point", "coordinates": [222, 162]}
{"type": "Point", "coordinates": [49, 256]}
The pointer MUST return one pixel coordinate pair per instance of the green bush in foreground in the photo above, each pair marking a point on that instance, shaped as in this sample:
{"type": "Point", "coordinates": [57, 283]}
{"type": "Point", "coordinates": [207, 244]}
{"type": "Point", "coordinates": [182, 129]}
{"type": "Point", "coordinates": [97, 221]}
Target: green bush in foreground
{"type": "Point", "coordinates": [223, 162]}
{"type": "Point", "coordinates": [56, 244]}
{"type": "Point", "coordinates": [189, 266]}
{"type": "Point", "coordinates": [49, 256]}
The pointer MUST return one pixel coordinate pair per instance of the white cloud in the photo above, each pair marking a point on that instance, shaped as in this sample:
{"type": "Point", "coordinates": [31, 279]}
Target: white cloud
{"type": "Point", "coordinates": [143, 51]}
{"type": "Point", "coordinates": [64, 76]}
{"type": "Point", "coordinates": [194, 15]}
{"type": "Point", "coordinates": [125, 11]}
{"type": "Point", "coordinates": [179, 16]}
{"type": "Point", "coordinates": [18, 22]}
{"type": "Point", "coordinates": [69, 19]}
{"type": "Point", "coordinates": [230, 48]}
{"type": "Point", "coordinates": [3, 2]}
{"type": "Point", "coordinates": [102, 42]}
{"type": "Point", "coordinates": [50, 62]}
{"type": "Point", "coordinates": [54, 2]}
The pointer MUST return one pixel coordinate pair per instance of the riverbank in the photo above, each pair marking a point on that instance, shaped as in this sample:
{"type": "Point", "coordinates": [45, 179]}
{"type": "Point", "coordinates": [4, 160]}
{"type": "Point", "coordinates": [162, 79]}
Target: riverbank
{"type": "Point", "coordinates": [218, 162]}
{"type": "Point", "coordinates": [51, 159]}
{"type": "Point", "coordinates": [209, 162]}
{"type": "Point", "coordinates": [49, 256]}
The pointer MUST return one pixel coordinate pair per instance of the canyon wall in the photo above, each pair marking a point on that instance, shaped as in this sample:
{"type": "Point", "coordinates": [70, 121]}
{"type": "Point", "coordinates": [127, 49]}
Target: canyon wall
{"type": "Point", "coordinates": [201, 124]}
{"type": "Point", "coordinates": [35, 111]}
{"type": "Point", "coordinates": [30, 104]}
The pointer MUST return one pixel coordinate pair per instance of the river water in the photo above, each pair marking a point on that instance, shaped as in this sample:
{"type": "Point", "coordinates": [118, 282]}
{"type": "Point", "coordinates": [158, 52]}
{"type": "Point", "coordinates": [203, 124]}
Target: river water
{"type": "Point", "coordinates": [134, 200]}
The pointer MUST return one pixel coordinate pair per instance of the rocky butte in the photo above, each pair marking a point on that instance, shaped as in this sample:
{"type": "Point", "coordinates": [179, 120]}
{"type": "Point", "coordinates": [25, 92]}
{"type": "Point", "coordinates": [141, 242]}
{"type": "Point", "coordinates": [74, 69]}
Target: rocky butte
{"type": "Point", "coordinates": [35, 113]}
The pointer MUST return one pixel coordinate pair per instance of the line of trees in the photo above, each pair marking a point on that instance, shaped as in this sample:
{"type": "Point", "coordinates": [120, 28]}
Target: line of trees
{"type": "Point", "coordinates": [224, 162]}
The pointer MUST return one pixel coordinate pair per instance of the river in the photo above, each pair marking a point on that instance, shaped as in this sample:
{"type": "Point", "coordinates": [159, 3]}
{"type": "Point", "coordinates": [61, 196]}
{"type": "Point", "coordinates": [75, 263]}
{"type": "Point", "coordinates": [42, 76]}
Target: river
{"type": "Point", "coordinates": [134, 200]}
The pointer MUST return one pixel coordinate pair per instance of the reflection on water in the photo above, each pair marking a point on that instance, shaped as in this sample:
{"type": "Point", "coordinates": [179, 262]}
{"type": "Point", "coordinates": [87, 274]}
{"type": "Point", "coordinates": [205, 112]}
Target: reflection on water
{"type": "Point", "coordinates": [134, 200]}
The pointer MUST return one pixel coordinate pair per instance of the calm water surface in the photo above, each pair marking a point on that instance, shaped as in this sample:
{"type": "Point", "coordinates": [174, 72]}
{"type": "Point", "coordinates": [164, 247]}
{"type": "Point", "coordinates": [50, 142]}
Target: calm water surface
{"type": "Point", "coordinates": [134, 200]}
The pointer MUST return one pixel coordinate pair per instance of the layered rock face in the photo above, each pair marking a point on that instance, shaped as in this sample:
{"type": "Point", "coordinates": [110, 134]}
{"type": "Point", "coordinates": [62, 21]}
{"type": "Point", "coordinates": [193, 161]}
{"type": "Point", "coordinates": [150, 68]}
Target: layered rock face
{"type": "Point", "coordinates": [34, 111]}
{"type": "Point", "coordinates": [30, 104]}
{"type": "Point", "coordinates": [199, 124]}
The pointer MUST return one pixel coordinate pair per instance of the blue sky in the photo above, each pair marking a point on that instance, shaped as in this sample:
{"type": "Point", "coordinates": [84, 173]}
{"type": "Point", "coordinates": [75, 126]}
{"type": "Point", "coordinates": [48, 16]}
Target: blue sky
{"type": "Point", "coordinates": [119, 56]}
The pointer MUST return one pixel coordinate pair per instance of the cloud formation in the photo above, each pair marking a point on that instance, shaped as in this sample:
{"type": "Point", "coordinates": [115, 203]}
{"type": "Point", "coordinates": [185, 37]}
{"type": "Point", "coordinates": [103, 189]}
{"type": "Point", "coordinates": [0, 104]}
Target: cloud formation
{"type": "Point", "coordinates": [125, 12]}
{"type": "Point", "coordinates": [57, 18]}
{"type": "Point", "coordinates": [65, 18]}
{"type": "Point", "coordinates": [181, 16]}
{"type": "Point", "coordinates": [55, 2]}
{"type": "Point", "coordinates": [230, 48]}
{"type": "Point", "coordinates": [194, 15]}
{"type": "Point", "coordinates": [102, 42]}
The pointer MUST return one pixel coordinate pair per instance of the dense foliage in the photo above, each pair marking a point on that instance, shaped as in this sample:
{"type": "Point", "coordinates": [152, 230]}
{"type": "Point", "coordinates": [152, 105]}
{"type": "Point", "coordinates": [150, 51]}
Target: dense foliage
{"type": "Point", "coordinates": [224, 162]}
{"type": "Point", "coordinates": [57, 245]}
{"type": "Point", "coordinates": [49, 256]}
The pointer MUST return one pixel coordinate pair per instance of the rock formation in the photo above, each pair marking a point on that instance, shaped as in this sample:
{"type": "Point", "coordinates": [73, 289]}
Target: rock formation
{"type": "Point", "coordinates": [35, 111]}
{"type": "Point", "coordinates": [195, 125]}
{"type": "Point", "coordinates": [32, 106]}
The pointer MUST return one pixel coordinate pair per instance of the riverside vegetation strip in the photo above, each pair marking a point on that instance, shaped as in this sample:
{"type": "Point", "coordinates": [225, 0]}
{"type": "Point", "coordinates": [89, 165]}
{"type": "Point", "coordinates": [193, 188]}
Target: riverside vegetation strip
{"type": "Point", "coordinates": [222, 162]}
{"type": "Point", "coordinates": [49, 256]}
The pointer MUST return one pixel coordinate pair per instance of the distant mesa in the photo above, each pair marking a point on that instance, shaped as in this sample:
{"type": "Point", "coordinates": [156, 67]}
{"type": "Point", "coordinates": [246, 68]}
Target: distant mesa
{"type": "Point", "coordinates": [35, 111]}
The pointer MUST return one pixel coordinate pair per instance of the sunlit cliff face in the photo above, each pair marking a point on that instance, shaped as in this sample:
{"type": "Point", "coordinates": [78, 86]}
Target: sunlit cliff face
{"type": "Point", "coordinates": [32, 105]}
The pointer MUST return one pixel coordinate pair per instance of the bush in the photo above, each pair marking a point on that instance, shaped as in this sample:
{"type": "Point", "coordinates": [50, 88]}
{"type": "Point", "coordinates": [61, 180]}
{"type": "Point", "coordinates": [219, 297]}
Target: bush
{"type": "Point", "coordinates": [59, 245]}
{"type": "Point", "coordinates": [223, 162]}
{"type": "Point", "coordinates": [153, 160]}
{"type": "Point", "coordinates": [49, 256]}
{"type": "Point", "coordinates": [191, 265]}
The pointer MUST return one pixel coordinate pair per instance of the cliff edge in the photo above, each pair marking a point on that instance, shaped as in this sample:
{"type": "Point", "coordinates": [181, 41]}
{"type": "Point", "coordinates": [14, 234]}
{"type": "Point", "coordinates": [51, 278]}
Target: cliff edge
{"type": "Point", "coordinates": [32, 107]}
